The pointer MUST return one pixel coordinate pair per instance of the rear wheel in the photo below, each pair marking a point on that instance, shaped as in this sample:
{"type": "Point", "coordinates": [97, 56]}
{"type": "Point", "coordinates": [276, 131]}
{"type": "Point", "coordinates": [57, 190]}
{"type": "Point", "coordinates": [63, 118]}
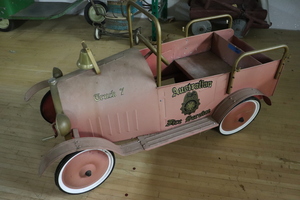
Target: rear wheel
{"type": "Point", "coordinates": [83, 171]}
{"type": "Point", "coordinates": [240, 116]}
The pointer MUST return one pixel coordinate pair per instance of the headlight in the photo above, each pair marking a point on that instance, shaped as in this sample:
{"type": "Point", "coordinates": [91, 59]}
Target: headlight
{"type": "Point", "coordinates": [63, 124]}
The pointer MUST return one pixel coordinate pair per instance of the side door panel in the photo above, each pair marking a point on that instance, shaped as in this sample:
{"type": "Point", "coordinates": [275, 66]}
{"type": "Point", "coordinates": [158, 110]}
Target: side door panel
{"type": "Point", "coordinates": [184, 102]}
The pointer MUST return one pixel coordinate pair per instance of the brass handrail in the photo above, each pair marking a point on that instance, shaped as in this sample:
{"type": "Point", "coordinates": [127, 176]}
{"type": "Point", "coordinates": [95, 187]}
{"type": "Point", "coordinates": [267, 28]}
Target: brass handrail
{"type": "Point", "coordinates": [186, 28]}
{"type": "Point", "coordinates": [158, 35]}
{"type": "Point", "coordinates": [250, 53]}
{"type": "Point", "coordinates": [152, 48]}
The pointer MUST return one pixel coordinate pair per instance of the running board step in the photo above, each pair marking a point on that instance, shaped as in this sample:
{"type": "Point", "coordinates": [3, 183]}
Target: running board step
{"type": "Point", "coordinates": [155, 140]}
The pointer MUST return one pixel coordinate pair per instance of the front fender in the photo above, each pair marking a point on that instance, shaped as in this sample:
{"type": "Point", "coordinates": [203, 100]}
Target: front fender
{"type": "Point", "coordinates": [35, 88]}
{"type": "Point", "coordinates": [234, 99]}
{"type": "Point", "coordinates": [56, 73]}
{"type": "Point", "coordinates": [80, 144]}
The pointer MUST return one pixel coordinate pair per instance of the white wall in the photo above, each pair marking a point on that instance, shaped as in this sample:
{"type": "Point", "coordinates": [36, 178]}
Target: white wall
{"type": "Point", "coordinates": [284, 14]}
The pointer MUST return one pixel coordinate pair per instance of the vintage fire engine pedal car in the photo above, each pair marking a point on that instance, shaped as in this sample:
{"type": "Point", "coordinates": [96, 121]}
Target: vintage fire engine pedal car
{"type": "Point", "coordinates": [214, 80]}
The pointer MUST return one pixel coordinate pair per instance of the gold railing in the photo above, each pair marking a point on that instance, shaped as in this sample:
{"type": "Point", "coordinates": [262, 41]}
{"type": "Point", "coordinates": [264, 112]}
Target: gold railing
{"type": "Point", "coordinates": [157, 51]}
{"type": "Point", "coordinates": [235, 67]}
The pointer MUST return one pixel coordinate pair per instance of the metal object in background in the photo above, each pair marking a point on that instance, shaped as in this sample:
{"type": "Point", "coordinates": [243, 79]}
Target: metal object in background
{"type": "Point", "coordinates": [13, 12]}
{"type": "Point", "coordinates": [186, 28]}
{"type": "Point", "coordinates": [115, 20]}
{"type": "Point", "coordinates": [201, 27]}
{"type": "Point", "coordinates": [95, 12]}
{"type": "Point", "coordinates": [159, 9]}
{"type": "Point", "coordinates": [239, 26]}
{"type": "Point", "coordinates": [250, 11]}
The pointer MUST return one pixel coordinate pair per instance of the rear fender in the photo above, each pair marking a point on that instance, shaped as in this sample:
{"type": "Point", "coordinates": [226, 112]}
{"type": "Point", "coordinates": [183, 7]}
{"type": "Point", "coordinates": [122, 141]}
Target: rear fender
{"type": "Point", "coordinates": [234, 99]}
{"type": "Point", "coordinates": [84, 143]}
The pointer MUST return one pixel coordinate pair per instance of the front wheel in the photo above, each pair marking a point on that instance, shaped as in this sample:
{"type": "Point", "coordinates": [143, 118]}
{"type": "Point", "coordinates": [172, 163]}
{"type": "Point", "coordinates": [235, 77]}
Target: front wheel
{"type": "Point", "coordinates": [240, 116]}
{"type": "Point", "coordinates": [83, 171]}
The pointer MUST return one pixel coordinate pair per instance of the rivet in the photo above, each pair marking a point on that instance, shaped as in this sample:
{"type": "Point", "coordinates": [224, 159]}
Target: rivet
{"type": "Point", "coordinates": [52, 81]}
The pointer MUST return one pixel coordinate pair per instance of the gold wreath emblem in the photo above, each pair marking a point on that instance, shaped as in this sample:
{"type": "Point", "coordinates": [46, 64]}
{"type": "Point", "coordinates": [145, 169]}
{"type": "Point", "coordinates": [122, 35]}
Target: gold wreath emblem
{"type": "Point", "coordinates": [190, 103]}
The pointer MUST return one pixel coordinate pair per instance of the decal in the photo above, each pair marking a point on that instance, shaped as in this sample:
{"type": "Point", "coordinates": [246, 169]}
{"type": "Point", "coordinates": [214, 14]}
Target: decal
{"type": "Point", "coordinates": [111, 94]}
{"type": "Point", "coordinates": [101, 97]}
{"type": "Point", "coordinates": [122, 90]}
{"type": "Point", "coordinates": [193, 117]}
{"type": "Point", "coordinates": [173, 122]}
{"type": "Point", "coordinates": [190, 103]}
{"type": "Point", "coordinates": [190, 87]}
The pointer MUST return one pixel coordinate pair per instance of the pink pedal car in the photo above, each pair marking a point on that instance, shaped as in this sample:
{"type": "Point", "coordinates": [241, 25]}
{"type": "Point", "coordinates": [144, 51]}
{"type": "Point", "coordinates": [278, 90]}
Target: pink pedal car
{"type": "Point", "coordinates": [151, 97]}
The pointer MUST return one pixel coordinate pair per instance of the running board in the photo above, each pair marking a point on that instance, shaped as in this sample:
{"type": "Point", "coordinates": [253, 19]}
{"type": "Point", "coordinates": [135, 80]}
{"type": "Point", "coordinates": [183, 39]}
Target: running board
{"type": "Point", "coordinates": [155, 140]}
